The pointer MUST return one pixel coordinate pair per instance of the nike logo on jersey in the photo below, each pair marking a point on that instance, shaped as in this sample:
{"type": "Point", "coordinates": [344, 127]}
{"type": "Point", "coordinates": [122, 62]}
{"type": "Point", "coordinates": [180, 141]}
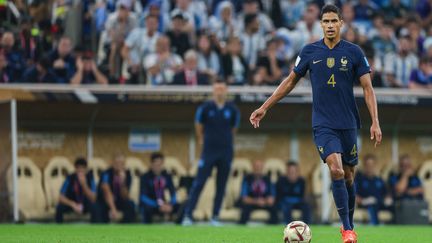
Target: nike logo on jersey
{"type": "Point", "coordinates": [315, 62]}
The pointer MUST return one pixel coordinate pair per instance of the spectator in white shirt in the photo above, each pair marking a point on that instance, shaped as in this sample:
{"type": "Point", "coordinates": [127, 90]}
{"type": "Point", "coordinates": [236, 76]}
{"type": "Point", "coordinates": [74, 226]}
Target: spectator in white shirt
{"type": "Point", "coordinates": [252, 7]}
{"type": "Point", "coordinates": [223, 23]}
{"type": "Point", "coordinates": [208, 59]}
{"type": "Point", "coordinates": [140, 43]}
{"type": "Point", "coordinates": [310, 26]}
{"type": "Point", "coordinates": [398, 66]}
{"type": "Point", "coordinates": [253, 41]}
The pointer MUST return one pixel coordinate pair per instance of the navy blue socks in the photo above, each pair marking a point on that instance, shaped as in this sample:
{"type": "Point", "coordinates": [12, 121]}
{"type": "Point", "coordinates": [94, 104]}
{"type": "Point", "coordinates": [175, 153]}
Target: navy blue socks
{"type": "Point", "coordinates": [351, 202]}
{"type": "Point", "coordinates": [340, 196]}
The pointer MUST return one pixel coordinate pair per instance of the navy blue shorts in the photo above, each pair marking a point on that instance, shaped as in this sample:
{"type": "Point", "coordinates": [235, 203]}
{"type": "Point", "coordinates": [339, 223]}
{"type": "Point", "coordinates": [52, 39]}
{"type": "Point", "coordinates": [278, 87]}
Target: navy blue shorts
{"type": "Point", "coordinates": [343, 141]}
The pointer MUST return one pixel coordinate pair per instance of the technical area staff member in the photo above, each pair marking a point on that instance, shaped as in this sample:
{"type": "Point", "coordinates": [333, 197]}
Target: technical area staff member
{"type": "Point", "coordinates": [216, 123]}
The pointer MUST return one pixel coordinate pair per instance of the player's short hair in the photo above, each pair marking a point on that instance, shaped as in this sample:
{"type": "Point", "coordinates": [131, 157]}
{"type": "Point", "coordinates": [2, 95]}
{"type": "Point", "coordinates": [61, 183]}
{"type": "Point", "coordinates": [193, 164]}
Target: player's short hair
{"type": "Point", "coordinates": [80, 162]}
{"type": "Point", "coordinates": [156, 155]}
{"type": "Point", "coordinates": [291, 163]}
{"type": "Point", "coordinates": [368, 157]}
{"type": "Point", "coordinates": [330, 8]}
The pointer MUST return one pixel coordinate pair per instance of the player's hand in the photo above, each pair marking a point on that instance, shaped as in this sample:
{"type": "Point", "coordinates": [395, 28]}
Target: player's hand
{"type": "Point", "coordinates": [114, 214]}
{"type": "Point", "coordinates": [257, 116]}
{"type": "Point", "coordinates": [78, 208]}
{"type": "Point", "coordinates": [375, 132]}
{"type": "Point", "coordinates": [82, 179]}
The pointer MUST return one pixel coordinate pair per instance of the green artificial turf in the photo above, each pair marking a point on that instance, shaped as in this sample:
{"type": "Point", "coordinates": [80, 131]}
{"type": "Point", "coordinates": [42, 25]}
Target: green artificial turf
{"type": "Point", "coordinates": [201, 234]}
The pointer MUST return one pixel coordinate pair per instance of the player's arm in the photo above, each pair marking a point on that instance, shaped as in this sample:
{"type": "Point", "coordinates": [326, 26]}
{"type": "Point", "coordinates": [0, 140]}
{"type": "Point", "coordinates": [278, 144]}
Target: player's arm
{"type": "Point", "coordinates": [370, 99]}
{"type": "Point", "coordinates": [89, 192]}
{"type": "Point", "coordinates": [281, 91]}
{"type": "Point", "coordinates": [199, 131]}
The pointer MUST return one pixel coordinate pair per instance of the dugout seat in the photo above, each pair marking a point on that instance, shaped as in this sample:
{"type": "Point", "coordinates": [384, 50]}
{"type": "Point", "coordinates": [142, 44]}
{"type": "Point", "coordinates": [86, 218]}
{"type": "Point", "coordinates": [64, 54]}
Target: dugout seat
{"type": "Point", "coordinates": [97, 166]}
{"type": "Point", "coordinates": [55, 173]}
{"type": "Point", "coordinates": [137, 168]}
{"type": "Point", "coordinates": [274, 168]}
{"type": "Point", "coordinates": [175, 168]}
{"type": "Point", "coordinates": [32, 201]}
{"type": "Point", "coordinates": [239, 168]}
{"type": "Point", "coordinates": [425, 174]}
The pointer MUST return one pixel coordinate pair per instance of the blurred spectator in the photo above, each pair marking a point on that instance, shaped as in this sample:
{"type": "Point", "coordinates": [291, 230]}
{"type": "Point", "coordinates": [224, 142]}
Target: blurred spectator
{"type": "Point", "coordinates": [351, 34]}
{"type": "Point", "coordinates": [154, 8]}
{"type": "Point", "coordinates": [223, 23]}
{"type": "Point", "coordinates": [421, 78]}
{"type": "Point", "coordinates": [140, 43]}
{"type": "Point", "coordinates": [424, 10]}
{"type": "Point", "coordinates": [118, 25]}
{"type": "Point", "coordinates": [194, 12]}
{"type": "Point", "coordinates": [29, 41]}
{"type": "Point", "coordinates": [253, 41]}
{"type": "Point", "coordinates": [269, 67]}
{"type": "Point", "coordinates": [40, 72]}
{"type": "Point", "coordinates": [290, 191]}
{"type": "Point", "coordinates": [396, 12]}
{"type": "Point", "coordinates": [234, 67]}
{"type": "Point", "coordinates": [62, 61]}
{"type": "Point", "coordinates": [153, 186]}
{"type": "Point", "coordinates": [383, 44]}
{"type": "Point", "coordinates": [406, 184]}
{"type": "Point", "coordinates": [414, 31]}
{"type": "Point", "coordinates": [113, 193]}
{"type": "Point", "coordinates": [208, 59]}
{"type": "Point", "coordinates": [87, 72]}
{"type": "Point", "coordinates": [78, 193]}
{"type": "Point", "coordinates": [190, 75]}
{"type": "Point", "coordinates": [5, 70]}
{"type": "Point", "coordinates": [398, 66]}
{"type": "Point", "coordinates": [292, 12]}
{"type": "Point", "coordinates": [179, 38]}
{"type": "Point", "coordinates": [364, 11]}
{"type": "Point", "coordinates": [376, 75]}
{"type": "Point", "coordinates": [257, 193]}
{"type": "Point", "coordinates": [310, 26]}
{"type": "Point", "coordinates": [162, 65]}
{"type": "Point", "coordinates": [371, 190]}
{"type": "Point", "coordinates": [251, 7]}
{"type": "Point", "coordinates": [15, 60]}
{"type": "Point", "coordinates": [377, 25]}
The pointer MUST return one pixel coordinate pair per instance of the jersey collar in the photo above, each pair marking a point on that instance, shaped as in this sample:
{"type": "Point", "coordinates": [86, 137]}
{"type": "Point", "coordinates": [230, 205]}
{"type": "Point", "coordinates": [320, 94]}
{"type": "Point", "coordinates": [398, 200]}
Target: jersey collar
{"type": "Point", "coordinates": [338, 45]}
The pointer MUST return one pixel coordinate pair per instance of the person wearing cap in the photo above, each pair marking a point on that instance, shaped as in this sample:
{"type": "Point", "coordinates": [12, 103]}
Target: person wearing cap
{"type": "Point", "coordinates": [78, 193]}
{"type": "Point", "coordinates": [40, 72]}
{"type": "Point", "coordinates": [140, 43]}
{"type": "Point", "coordinates": [190, 75]}
{"type": "Point", "coordinates": [178, 35]}
{"type": "Point", "coordinates": [87, 71]}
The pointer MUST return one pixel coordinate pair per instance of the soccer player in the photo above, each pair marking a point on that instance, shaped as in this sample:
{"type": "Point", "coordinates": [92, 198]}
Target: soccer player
{"type": "Point", "coordinates": [216, 123]}
{"type": "Point", "coordinates": [153, 185]}
{"type": "Point", "coordinates": [334, 66]}
{"type": "Point", "coordinates": [78, 193]}
{"type": "Point", "coordinates": [113, 193]}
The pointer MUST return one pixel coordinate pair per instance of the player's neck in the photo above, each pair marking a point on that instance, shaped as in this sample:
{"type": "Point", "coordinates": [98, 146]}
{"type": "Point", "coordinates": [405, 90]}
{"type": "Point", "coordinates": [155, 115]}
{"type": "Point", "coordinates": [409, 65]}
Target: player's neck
{"type": "Point", "coordinates": [331, 43]}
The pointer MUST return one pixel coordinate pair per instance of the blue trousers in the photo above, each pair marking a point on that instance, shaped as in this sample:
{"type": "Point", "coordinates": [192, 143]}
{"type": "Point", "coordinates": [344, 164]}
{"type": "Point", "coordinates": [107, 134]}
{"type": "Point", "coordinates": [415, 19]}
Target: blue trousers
{"type": "Point", "coordinates": [303, 206]}
{"type": "Point", "coordinates": [205, 167]}
{"type": "Point", "coordinates": [127, 207]}
{"type": "Point", "coordinates": [62, 209]}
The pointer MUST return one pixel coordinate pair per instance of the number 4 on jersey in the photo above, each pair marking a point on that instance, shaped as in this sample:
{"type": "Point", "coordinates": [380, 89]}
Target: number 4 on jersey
{"type": "Point", "coordinates": [331, 81]}
{"type": "Point", "coordinates": [354, 150]}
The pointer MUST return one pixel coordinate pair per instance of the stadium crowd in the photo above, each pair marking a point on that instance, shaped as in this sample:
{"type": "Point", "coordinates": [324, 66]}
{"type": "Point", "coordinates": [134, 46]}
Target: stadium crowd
{"type": "Point", "coordinates": [110, 200]}
{"type": "Point", "coordinates": [191, 42]}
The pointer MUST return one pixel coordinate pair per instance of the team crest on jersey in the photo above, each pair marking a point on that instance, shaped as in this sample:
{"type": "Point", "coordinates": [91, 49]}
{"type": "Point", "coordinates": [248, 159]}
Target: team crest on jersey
{"type": "Point", "coordinates": [321, 149]}
{"type": "Point", "coordinates": [330, 62]}
{"type": "Point", "coordinates": [344, 62]}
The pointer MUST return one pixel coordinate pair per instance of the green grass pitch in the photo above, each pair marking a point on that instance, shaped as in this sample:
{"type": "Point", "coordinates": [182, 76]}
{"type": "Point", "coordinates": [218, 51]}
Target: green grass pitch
{"type": "Point", "coordinates": [202, 234]}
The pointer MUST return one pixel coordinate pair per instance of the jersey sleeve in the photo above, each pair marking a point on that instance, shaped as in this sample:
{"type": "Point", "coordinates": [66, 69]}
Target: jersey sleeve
{"type": "Point", "coordinates": [200, 115]}
{"type": "Point", "coordinates": [301, 65]}
{"type": "Point", "coordinates": [362, 65]}
{"type": "Point", "coordinates": [65, 186]}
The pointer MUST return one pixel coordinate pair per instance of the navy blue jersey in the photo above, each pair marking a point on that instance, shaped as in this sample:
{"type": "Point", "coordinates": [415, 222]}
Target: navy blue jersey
{"type": "Point", "coordinates": [72, 189]}
{"type": "Point", "coordinates": [370, 187]}
{"type": "Point", "coordinates": [152, 188]}
{"type": "Point", "coordinates": [218, 125]}
{"type": "Point", "coordinates": [413, 182]}
{"type": "Point", "coordinates": [333, 73]}
{"type": "Point", "coordinates": [290, 192]}
{"type": "Point", "coordinates": [257, 187]}
{"type": "Point", "coordinates": [114, 183]}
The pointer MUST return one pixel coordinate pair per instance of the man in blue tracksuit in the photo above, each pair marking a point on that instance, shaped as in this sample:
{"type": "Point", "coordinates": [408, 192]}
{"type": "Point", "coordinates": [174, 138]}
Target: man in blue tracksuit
{"type": "Point", "coordinates": [216, 122]}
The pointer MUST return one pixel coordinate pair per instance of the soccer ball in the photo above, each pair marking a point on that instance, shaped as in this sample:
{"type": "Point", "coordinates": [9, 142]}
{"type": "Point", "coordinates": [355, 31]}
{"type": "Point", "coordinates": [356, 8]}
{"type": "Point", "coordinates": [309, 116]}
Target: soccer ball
{"type": "Point", "coordinates": [297, 232]}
